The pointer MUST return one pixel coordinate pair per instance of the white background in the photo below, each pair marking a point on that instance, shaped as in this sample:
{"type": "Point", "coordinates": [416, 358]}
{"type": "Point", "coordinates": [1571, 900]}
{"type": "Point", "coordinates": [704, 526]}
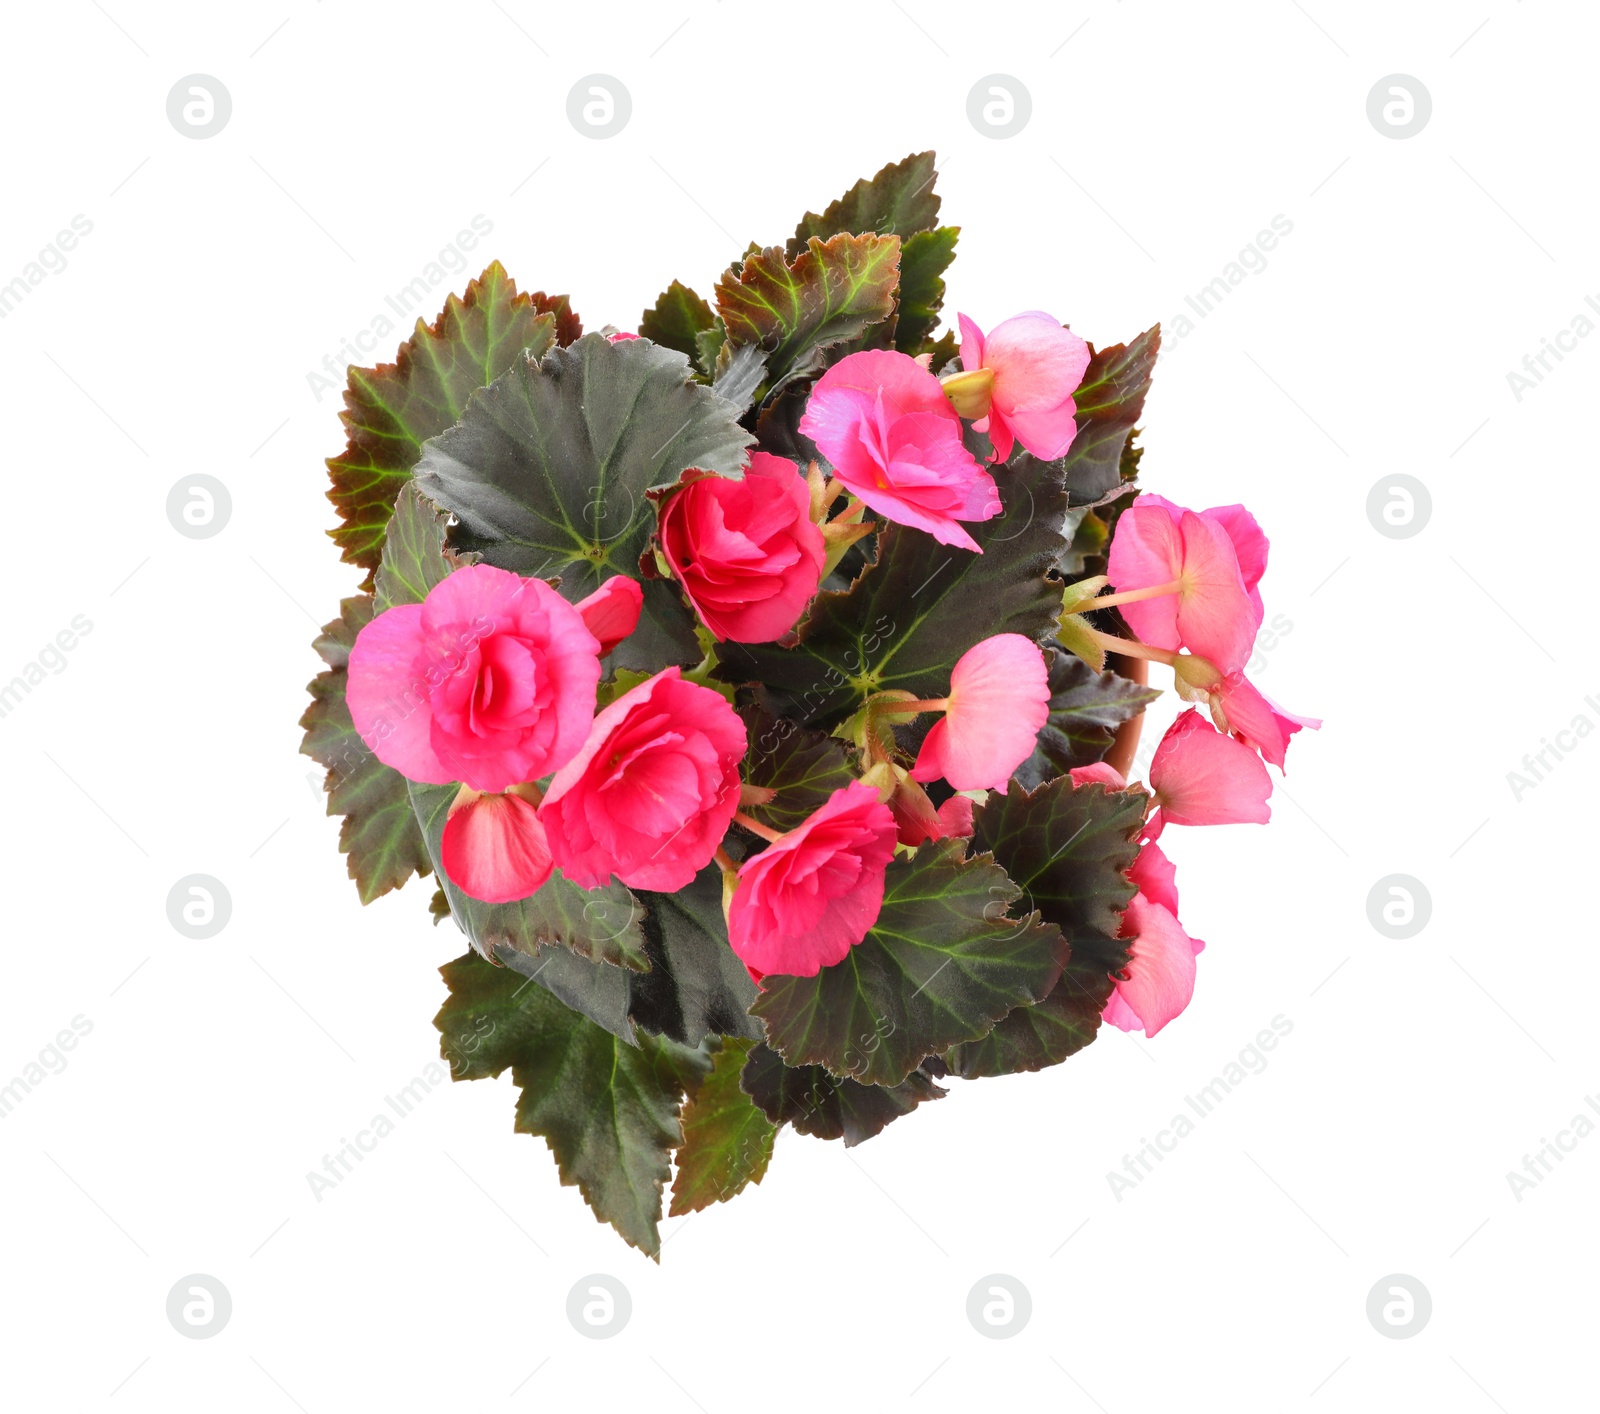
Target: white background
{"type": "Point", "coordinates": [178, 340]}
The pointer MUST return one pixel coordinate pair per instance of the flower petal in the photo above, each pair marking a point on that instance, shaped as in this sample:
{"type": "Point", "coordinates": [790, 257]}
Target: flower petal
{"type": "Point", "coordinates": [387, 693]}
{"type": "Point", "coordinates": [494, 849]}
{"type": "Point", "coordinates": [1161, 967]}
{"type": "Point", "coordinates": [1203, 777]}
{"type": "Point", "coordinates": [611, 613]}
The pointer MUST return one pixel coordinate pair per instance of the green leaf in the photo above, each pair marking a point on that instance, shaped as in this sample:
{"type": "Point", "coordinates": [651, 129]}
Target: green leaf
{"type": "Point", "coordinates": [942, 964]}
{"type": "Point", "coordinates": [909, 616]}
{"type": "Point", "coordinates": [1110, 400]}
{"type": "Point", "coordinates": [727, 1141]}
{"type": "Point", "coordinates": [825, 1106]}
{"type": "Point", "coordinates": [923, 260]}
{"type": "Point", "coordinates": [392, 409]}
{"type": "Point", "coordinates": [603, 925]}
{"type": "Point", "coordinates": [1069, 848]}
{"type": "Point", "coordinates": [803, 766]}
{"type": "Point", "coordinates": [708, 345]}
{"type": "Point", "coordinates": [833, 291]}
{"type": "Point", "coordinates": [548, 468]}
{"type": "Point", "coordinates": [414, 554]}
{"type": "Point", "coordinates": [1042, 1035]}
{"type": "Point", "coordinates": [677, 319]}
{"type": "Point", "coordinates": [608, 1111]}
{"type": "Point", "coordinates": [898, 201]}
{"type": "Point", "coordinates": [696, 986]}
{"type": "Point", "coordinates": [379, 834]}
{"type": "Point", "coordinates": [1086, 707]}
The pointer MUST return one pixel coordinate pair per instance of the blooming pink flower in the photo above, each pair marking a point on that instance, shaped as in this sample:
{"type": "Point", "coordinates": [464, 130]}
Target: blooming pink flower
{"type": "Point", "coordinates": [1250, 543]}
{"type": "Point", "coordinates": [1238, 707]}
{"type": "Point", "coordinates": [611, 613]}
{"type": "Point", "coordinates": [650, 795]}
{"type": "Point", "coordinates": [813, 894]}
{"type": "Point", "coordinates": [1155, 876]}
{"type": "Point", "coordinates": [1212, 610]}
{"type": "Point", "coordinates": [491, 681]}
{"type": "Point", "coordinates": [893, 439]}
{"type": "Point", "coordinates": [999, 698]}
{"type": "Point", "coordinates": [621, 336]}
{"type": "Point", "coordinates": [1201, 776]}
{"type": "Point", "coordinates": [746, 552]}
{"type": "Point", "coordinates": [494, 848]}
{"type": "Point", "coordinates": [1034, 367]}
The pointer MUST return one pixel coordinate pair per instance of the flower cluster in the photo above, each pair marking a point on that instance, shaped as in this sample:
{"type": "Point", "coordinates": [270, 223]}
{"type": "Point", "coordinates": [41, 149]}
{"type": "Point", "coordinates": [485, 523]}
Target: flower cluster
{"type": "Point", "coordinates": [759, 686]}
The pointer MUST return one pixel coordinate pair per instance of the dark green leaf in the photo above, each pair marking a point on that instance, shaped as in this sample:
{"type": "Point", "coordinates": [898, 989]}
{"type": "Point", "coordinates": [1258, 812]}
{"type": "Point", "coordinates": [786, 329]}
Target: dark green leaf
{"type": "Point", "coordinates": [1070, 849]}
{"type": "Point", "coordinates": [677, 319]}
{"type": "Point", "coordinates": [1110, 400]}
{"type": "Point", "coordinates": [603, 925]}
{"type": "Point", "coordinates": [803, 766]}
{"type": "Point", "coordinates": [548, 468]}
{"type": "Point", "coordinates": [696, 986]}
{"type": "Point", "coordinates": [1045, 1034]}
{"type": "Point", "coordinates": [608, 1111]}
{"type": "Point", "coordinates": [898, 201]}
{"type": "Point", "coordinates": [392, 409]}
{"type": "Point", "coordinates": [727, 1141]}
{"type": "Point", "coordinates": [825, 1106]}
{"type": "Point", "coordinates": [923, 260]}
{"type": "Point", "coordinates": [942, 964]}
{"type": "Point", "coordinates": [379, 834]}
{"type": "Point", "coordinates": [833, 291]}
{"type": "Point", "coordinates": [1086, 707]}
{"type": "Point", "coordinates": [907, 619]}
{"type": "Point", "coordinates": [439, 906]}
{"type": "Point", "coordinates": [414, 554]}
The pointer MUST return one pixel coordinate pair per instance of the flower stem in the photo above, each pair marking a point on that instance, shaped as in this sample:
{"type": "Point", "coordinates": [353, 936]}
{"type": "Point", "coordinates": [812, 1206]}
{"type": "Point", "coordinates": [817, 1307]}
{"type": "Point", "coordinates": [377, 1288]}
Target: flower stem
{"type": "Point", "coordinates": [1131, 647]}
{"type": "Point", "coordinates": [725, 861]}
{"type": "Point", "coordinates": [1128, 596]}
{"type": "Point", "coordinates": [931, 704]}
{"type": "Point", "coordinates": [756, 827]}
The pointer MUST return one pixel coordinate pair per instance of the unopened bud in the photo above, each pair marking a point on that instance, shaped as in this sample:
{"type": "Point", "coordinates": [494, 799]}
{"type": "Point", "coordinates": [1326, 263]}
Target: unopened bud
{"type": "Point", "coordinates": [969, 392]}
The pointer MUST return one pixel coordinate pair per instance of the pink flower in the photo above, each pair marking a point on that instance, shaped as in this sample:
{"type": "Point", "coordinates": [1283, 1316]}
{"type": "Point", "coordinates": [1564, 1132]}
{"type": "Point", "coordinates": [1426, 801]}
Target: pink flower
{"type": "Point", "coordinates": [491, 681]}
{"type": "Point", "coordinates": [813, 894]}
{"type": "Point", "coordinates": [1209, 607]}
{"type": "Point", "coordinates": [651, 793]}
{"type": "Point", "coordinates": [494, 848]}
{"type": "Point", "coordinates": [1019, 383]}
{"type": "Point", "coordinates": [1158, 981]}
{"type": "Point", "coordinates": [885, 424]}
{"type": "Point", "coordinates": [1239, 708]}
{"type": "Point", "coordinates": [746, 552]}
{"type": "Point", "coordinates": [916, 819]}
{"type": "Point", "coordinates": [621, 336]}
{"type": "Point", "coordinates": [999, 698]}
{"type": "Point", "coordinates": [611, 613]}
{"type": "Point", "coordinates": [1099, 773]}
{"type": "Point", "coordinates": [1202, 777]}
